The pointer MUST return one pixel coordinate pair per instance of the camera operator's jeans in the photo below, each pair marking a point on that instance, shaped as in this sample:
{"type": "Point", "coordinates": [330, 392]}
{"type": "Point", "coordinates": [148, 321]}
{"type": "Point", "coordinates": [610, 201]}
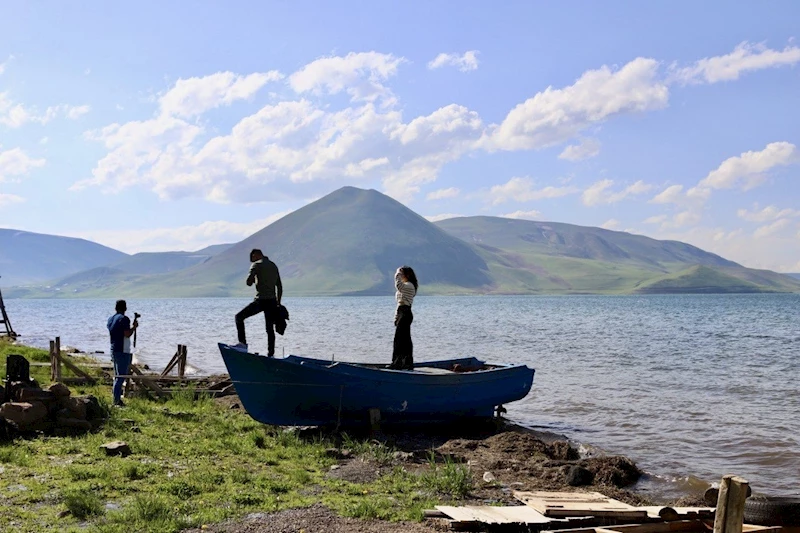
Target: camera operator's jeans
{"type": "Point", "coordinates": [122, 363]}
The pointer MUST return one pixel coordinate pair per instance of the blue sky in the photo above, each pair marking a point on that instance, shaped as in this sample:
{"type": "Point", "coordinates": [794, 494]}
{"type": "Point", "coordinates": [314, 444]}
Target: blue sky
{"type": "Point", "coordinates": [157, 126]}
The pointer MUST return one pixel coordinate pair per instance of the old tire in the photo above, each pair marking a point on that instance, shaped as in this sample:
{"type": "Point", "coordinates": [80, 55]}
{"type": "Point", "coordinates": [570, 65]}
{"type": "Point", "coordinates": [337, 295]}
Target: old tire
{"type": "Point", "coordinates": [772, 511]}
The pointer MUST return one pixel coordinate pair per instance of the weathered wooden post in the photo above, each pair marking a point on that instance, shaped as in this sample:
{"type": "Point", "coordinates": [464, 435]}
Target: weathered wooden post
{"type": "Point", "coordinates": [58, 358]}
{"type": "Point", "coordinates": [53, 361]}
{"type": "Point", "coordinates": [729, 516]}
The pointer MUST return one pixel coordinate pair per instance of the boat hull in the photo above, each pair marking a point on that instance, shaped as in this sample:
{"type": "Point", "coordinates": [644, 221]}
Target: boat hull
{"type": "Point", "coordinates": [299, 391]}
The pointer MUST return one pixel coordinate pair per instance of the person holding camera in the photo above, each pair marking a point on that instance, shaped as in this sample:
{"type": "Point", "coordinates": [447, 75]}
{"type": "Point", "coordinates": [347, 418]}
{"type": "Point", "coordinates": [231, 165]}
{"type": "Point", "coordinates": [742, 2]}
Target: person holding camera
{"type": "Point", "coordinates": [120, 331]}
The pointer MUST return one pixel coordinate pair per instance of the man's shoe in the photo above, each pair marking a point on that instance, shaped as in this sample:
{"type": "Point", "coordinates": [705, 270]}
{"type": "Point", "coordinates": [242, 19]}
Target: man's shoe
{"type": "Point", "coordinates": [119, 403]}
{"type": "Point", "coordinates": [242, 347]}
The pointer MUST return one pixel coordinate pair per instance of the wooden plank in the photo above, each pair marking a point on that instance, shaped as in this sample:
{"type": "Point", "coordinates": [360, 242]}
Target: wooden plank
{"type": "Point", "coordinates": [172, 362]}
{"type": "Point", "coordinates": [566, 504]}
{"type": "Point", "coordinates": [72, 367]}
{"type": "Point", "coordinates": [146, 382]}
{"type": "Point", "coordinates": [486, 514]}
{"type": "Point", "coordinates": [695, 526]}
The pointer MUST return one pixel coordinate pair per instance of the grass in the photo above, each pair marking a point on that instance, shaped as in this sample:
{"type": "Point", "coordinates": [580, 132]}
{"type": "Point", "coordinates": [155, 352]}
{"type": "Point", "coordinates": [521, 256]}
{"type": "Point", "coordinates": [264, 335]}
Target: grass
{"type": "Point", "coordinates": [193, 462]}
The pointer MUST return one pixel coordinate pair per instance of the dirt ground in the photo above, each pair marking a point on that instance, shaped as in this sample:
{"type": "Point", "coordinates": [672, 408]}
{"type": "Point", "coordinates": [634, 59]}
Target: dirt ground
{"type": "Point", "coordinates": [510, 457]}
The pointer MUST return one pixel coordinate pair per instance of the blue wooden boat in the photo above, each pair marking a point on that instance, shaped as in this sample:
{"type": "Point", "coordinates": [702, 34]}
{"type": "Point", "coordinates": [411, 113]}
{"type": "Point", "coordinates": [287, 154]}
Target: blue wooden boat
{"type": "Point", "coordinates": [300, 391]}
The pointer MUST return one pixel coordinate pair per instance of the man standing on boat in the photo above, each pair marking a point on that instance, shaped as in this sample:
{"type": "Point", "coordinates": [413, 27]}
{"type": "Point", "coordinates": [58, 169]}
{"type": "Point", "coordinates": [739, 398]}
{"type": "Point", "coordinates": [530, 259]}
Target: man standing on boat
{"type": "Point", "coordinates": [269, 290]}
{"type": "Point", "coordinates": [120, 331]}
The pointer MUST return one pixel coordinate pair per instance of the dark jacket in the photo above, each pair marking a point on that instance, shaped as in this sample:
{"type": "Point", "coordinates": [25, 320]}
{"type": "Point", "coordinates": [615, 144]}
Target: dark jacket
{"type": "Point", "coordinates": [280, 319]}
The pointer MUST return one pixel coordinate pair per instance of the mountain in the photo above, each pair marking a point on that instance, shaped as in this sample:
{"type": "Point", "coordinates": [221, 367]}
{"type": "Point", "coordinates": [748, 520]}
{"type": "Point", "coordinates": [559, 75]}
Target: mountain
{"type": "Point", "coordinates": [27, 257]}
{"type": "Point", "coordinates": [351, 241]}
{"type": "Point", "coordinates": [348, 242]}
{"type": "Point", "coordinates": [794, 275]}
{"type": "Point", "coordinates": [530, 256]}
{"type": "Point", "coordinates": [162, 262]}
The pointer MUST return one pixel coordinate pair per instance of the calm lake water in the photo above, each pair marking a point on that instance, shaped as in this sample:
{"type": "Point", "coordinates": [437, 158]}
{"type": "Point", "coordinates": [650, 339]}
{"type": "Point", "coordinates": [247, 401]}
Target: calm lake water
{"type": "Point", "coordinates": [690, 387]}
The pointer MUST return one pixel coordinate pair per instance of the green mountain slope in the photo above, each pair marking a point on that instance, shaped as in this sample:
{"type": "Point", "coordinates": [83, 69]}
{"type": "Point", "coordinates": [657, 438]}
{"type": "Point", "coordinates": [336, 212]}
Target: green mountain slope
{"type": "Point", "coordinates": [27, 257]}
{"type": "Point", "coordinates": [160, 262]}
{"type": "Point", "coordinates": [549, 257]}
{"type": "Point", "coordinates": [698, 279]}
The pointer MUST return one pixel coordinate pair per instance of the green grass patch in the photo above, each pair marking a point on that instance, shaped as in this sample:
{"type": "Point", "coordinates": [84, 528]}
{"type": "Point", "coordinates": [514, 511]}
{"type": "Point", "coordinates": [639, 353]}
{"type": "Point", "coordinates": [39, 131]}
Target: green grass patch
{"type": "Point", "coordinates": [193, 462]}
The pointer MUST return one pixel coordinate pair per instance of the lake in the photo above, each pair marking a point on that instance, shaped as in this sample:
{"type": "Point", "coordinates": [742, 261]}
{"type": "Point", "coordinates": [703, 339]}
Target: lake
{"type": "Point", "coordinates": [691, 387]}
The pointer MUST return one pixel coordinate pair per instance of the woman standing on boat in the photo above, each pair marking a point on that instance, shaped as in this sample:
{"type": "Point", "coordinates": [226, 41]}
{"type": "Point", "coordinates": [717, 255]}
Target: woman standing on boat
{"type": "Point", "coordinates": [403, 354]}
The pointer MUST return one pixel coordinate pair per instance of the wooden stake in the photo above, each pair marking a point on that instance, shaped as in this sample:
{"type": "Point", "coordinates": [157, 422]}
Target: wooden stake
{"type": "Point", "coordinates": [53, 361]}
{"type": "Point", "coordinates": [58, 359]}
{"type": "Point", "coordinates": [729, 517]}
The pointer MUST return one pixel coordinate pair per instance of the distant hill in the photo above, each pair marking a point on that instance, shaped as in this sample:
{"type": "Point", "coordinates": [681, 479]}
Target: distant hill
{"type": "Point", "coordinates": [214, 249]}
{"type": "Point", "coordinates": [794, 275]}
{"type": "Point", "coordinates": [27, 257]}
{"type": "Point", "coordinates": [549, 257]}
{"type": "Point", "coordinates": [161, 262]}
{"type": "Point", "coordinates": [351, 241]}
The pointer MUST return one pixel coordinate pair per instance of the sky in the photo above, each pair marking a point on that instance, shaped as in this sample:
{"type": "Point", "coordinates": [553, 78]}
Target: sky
{"type": "Point", "coordinates": [156, 126]}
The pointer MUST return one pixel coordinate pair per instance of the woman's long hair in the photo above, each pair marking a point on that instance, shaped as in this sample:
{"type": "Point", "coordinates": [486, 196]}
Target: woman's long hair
{"type": "Point", "coordinates": [408, 272]}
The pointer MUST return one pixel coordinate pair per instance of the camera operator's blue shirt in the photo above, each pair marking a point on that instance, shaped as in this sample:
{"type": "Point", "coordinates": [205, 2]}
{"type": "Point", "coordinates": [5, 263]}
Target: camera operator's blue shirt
{"type": "Point", "coordinates": [117, 326]}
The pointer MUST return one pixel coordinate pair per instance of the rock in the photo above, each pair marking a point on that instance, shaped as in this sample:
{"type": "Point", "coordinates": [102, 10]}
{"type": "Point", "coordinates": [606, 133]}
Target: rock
{"type": "Point", "coordinates": [23, 414]}
{"type": "Point", "coordinates": [30, 395]}
{"type": "Point", "coordinates": [94, 411]}
{"type": "Point", "coordinates": [59, 390]}
{"type": "Point", "coordinates": [235, 406]}
{"type": "Point", "coordinates": [76, 423]}
{"type": "Point", "coordinates": [403, 456]}
{"type": "Point", "coordinates": [578, 476]}
{"type": "Point", "coordinates": [117, 447]}
{"type": "Point", "coordinates": [75, 406]}
{"type": "Point", "coordinates": [488, 477]}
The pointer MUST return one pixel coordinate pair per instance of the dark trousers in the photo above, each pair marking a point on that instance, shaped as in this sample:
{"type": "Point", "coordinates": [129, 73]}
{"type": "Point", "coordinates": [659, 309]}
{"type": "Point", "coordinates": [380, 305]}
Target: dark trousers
{"type": "Point", "coordinates": [403, 352]}
{"type": "Point", "coordinates": [270, 310]}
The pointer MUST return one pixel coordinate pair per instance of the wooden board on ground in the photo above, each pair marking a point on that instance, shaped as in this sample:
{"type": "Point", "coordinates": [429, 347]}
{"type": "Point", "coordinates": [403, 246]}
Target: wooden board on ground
{"type": "Point", "coordinates": [678, 526]}
{"type": "Point", "coordinates": [485, 514]}
{"type": "Point", "coordinates": [566, 504]}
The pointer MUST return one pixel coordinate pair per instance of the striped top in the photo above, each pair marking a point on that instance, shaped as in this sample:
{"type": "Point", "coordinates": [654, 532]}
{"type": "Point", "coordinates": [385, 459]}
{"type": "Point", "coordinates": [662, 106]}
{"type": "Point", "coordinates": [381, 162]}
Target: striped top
{"type": "Point", "coordinates": [405, 291]}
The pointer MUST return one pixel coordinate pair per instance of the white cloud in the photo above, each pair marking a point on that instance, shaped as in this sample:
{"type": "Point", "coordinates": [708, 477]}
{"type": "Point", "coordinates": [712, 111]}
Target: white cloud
{"type": "Point", "coordinates": [74, 112]}
{"type": "Point", "coordinates": [194, 96]}
{"type": "Point", "coordinates": [524, 215]}
{"type": "Point", "coordinates": [745, 57]}
{"type": "Point", "coordinates": [8, 199]}
{"type": "Point", "coordinates": [441, 194]}
{"type": "Point", "coordinates": [679, 220]}
{"type": "Point", "coordinates": [584, 150]}
{"type": "Point", "coordinates": [771, 229]}
{"type": "Point", "coordinates": [443, 216]}
{"type": "Point", "coordinates": [670, 195]}
{"type": "Point", "coordinates": [598, 192]}
{"type": "Point", "coordinates": [766, 214]}
{"type": "Point", "coordinates": [523, 190]}
{"type": "Point", "coordinates": [611, 223]}
{"type": "Point", "coordinates": [656, 219]}
{"type": "Point", "coordinates": [14, 114]}
{"type": "Point", "coordinates": [16, 163]}
{"type": "Point", "coordinates": [361, 75]}
{"type": "Point", "coordinates": [188, 238]}
{"type": "Point", "coordinates": [747, 170]}
{"type": "Point", "coordinates": [44, 140]}
{"type": "Point", "coordinates": [554, 116]}
{"type": "Point", "coordinates": [466, 62]}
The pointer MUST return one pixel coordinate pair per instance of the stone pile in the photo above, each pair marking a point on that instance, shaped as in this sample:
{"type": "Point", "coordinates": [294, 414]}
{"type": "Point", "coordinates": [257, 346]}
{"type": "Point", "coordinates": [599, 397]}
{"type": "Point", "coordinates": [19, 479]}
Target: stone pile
{"type": "Point", "coordinates": [53, 410]}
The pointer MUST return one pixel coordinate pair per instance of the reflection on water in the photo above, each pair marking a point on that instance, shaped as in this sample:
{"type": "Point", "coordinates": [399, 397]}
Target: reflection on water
{"type": "Point", "coordinates": [690, 387]}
